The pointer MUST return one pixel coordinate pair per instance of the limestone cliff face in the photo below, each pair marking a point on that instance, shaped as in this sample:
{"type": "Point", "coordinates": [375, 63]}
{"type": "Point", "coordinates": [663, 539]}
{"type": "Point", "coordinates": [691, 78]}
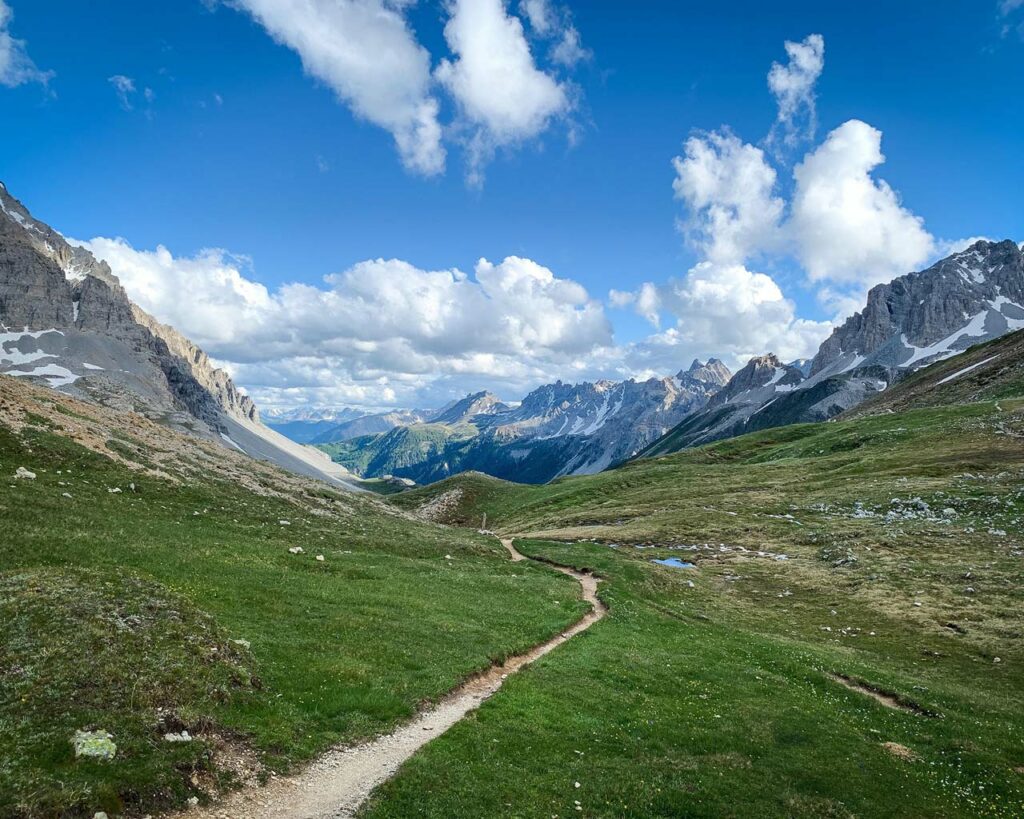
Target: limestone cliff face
{"type": "Point", "coordinates": [48, 284]}
{"type": "Point", "coordinates": [200, 382]}
{"type": "Point", "coordinates": [966, 298]}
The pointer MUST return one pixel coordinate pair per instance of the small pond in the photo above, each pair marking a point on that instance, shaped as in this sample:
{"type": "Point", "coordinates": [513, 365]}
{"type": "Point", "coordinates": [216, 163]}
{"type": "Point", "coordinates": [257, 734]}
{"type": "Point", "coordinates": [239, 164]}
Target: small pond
{"type": "Point", "coordinates": [675, 563]}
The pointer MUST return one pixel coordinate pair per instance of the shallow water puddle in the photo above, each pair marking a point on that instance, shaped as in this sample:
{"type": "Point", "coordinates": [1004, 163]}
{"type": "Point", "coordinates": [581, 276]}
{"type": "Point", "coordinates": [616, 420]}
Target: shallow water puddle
{"type": "Point", "coordinates": [675, 563]}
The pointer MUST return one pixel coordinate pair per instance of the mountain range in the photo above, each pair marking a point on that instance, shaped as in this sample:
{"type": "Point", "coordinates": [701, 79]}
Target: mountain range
{"type": "Point", "coordinates": [558, 429]}
{"type": "Point", "coordinates": [970, 297]}
{"type": "Point", "coordinates": [66, 321]}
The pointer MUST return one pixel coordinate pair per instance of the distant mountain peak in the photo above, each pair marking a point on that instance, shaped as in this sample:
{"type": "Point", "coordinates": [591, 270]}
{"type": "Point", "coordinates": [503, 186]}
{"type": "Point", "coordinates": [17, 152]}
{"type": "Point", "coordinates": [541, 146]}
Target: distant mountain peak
{"type": "Point", "coordinates": [478, 403]}
{"type": "Point", "coordinates": [713, 372]}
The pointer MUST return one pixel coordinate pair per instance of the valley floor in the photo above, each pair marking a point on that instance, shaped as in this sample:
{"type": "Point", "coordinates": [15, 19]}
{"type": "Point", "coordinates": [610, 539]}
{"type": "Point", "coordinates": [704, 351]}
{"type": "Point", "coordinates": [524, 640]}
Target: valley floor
{"type": "Point", "coordinates": [847, 642]}
{"type": "Point", "coordinates": [148, 587]}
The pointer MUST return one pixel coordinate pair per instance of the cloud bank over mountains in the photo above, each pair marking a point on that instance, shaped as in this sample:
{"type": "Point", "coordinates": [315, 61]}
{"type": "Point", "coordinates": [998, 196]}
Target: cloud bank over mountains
{"type": "Point", "coordinates": [384, 332]}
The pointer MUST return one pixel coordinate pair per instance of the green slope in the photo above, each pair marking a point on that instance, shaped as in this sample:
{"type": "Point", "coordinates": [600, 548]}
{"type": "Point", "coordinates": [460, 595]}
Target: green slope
{"type": "Point", "coordinates": [723, 698]}
{"type": "Point", "coordinates": [411, 451]}
{"type": "Point", "coordinates": [119, 611]}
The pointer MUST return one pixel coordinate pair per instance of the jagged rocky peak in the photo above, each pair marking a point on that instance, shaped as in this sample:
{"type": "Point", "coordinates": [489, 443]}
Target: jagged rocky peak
{"type": "Point", "coordinates": [713, 372]}
{"type": "Point", "coordinates": [969, 297]}
{"type": "Point", "coordinates": [762, 371]}
{"type": "Point", "coordinates": [479, 403]}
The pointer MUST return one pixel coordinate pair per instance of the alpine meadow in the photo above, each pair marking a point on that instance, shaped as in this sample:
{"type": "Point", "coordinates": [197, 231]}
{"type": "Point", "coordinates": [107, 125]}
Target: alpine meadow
{"type": "Point", "coordinates": [511, 408]}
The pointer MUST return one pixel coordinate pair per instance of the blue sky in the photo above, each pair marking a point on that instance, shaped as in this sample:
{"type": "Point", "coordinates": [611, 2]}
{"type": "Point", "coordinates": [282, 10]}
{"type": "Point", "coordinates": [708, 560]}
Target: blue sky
{"type": "Point", "coordinates": [241, 149]}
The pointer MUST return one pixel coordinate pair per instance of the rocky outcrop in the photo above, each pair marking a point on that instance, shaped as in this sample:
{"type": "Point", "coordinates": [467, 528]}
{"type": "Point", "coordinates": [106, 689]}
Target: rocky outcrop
{"type": "Point", "coordinates": [47, 284]}
{"type": "Point", "coordinates": [963, 300]}
{"type": "Point", "coordinates": [200, 384]}
{"type": "Point", "coordinates": [65, 320]}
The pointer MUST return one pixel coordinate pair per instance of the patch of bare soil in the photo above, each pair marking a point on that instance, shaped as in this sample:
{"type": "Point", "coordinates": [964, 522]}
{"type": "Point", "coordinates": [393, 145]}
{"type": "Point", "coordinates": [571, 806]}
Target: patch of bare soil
{"type": "Point", "coordinates": [886, 698]}
{"type": "Point", "coordinates": [900, 751]}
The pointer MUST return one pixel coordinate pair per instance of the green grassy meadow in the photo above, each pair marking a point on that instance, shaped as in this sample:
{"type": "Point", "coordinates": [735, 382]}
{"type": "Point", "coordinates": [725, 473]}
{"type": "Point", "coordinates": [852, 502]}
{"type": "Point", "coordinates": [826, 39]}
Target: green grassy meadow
{"type": "Point", "coordinates": [120, 611]}
{"type": "Point", "coordinates": [717, 691]}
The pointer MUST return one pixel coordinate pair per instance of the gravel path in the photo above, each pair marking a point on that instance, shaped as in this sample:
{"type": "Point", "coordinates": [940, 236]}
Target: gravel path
{"type": "Point", "coordinates": [338, 783]}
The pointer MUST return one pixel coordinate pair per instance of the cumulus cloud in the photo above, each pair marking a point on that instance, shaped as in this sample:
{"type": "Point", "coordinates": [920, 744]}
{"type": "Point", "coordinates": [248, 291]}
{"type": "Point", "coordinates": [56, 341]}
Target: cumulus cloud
{"type": "Point", "coordinates": [381, 332]}
{"type": "Point", "coordinates": [366, 52]}
{"type": "Point", "coordinates": [16, 67]}
{"type": "Point", "coordinates": [728, 188]}
{"type": "Point", "coordinates": [793, 88]}
{"type": "Point", "coordinates": [848, 226]}
{"type": "Point", "coordinates": [502, 96]}
{"type": "Point", "coordinates": [730, 311]}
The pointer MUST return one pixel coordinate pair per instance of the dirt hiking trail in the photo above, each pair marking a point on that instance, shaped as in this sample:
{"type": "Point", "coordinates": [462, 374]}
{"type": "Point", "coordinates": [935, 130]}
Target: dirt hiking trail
{"type": "Point", "coordinates": [339, 782]}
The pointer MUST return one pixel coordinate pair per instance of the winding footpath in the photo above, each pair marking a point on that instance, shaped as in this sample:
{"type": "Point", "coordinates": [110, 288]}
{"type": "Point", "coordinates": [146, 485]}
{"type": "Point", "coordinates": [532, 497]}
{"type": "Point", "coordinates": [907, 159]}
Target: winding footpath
{"type": "Point", "coordinates": [338, 783]}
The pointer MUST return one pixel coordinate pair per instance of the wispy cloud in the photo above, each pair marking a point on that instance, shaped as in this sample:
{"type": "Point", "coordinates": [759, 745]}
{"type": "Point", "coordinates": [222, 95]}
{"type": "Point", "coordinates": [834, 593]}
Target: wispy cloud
{"type": "Point", "coordinates": [792, 85]}
{"type": "Point", "coordinates": [124, 87]}
{"type": "Point", "coordinates": [16, 67]}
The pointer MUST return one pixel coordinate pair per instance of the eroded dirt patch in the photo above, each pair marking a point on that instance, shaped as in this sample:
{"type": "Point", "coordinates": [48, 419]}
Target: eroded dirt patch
{"type": "Point", "coordinates": [887, 698]}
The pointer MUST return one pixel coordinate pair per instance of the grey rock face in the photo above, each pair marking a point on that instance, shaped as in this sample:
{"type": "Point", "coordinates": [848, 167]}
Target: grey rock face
{"type": "Point", "coordinates": [65, 320]}
{"type": "Point", "coordinates": [913, 321]}
{"type": "Point", "coordinates": [710, 376]}
{"type": "Point", "coordinates": [970, 297]}
{"type": "Point", "coordinates": [481, 403]}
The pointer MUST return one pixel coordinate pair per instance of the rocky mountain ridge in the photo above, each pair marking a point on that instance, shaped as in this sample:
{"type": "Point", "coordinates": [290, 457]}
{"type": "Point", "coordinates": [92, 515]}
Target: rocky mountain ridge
{"type": "Point", "coordinates": [968, 298]}
{"type": "Point", "coordinates": [558, 429]}
{"type": "Point", "coordinates": [66, 321]}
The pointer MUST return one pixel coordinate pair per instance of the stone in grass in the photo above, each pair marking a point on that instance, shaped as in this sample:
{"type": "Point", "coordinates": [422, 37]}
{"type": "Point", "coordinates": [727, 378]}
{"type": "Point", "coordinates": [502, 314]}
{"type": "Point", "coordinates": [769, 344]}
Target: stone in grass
{"type": "Point", "coordinates": [320, 558]}
{"type": "Point", "coordinates": [295, 550]}
{"type": "Point", "coordinates": [23, 474]}
{"type": "Point", "coordinates": [94, 744]}
{"type": "Point", "coordinates": [184, 736]}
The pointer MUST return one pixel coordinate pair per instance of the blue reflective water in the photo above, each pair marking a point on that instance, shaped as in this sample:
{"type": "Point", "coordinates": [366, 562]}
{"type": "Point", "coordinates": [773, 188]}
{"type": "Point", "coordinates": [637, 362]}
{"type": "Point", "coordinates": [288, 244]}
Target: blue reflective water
{"type": "Point", "coordinates": [675, 563]}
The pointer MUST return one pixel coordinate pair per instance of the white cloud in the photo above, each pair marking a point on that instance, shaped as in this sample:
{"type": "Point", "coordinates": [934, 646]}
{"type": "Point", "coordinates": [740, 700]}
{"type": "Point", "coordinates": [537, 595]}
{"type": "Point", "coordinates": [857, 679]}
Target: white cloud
{"type": "Point", "coordinates": [728, 187]}
{"type": "Point", "coordinates": [381, 332]}
{"type": "Point", "coordinates": [727, 310]}
{"type": "Point", "coordinates": [540, 14]}
{"type": "Point", "coordinates": [569, 50]}
{"type": "Point", "coordinates": [847, 226]}
{"type": "Point", "coordinates": [1009, 6]}
{"type": "Point", "coordinates": [503, 97]}
{"type": "Point", "coordinates": [366, 52]}
{"type": "Point", "coordinates": [552, 22]}
{"type": "Point", "coordinates": [793, 87]}
{"type": "Point", "coordinates": [125, 89]}
{"type": "Point", "coordinates": [16, 67]}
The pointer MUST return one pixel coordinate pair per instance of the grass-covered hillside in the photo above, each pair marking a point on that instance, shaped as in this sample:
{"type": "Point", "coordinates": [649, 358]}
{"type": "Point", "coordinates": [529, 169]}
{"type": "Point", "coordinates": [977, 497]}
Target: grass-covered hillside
{"type": "Point", "coordinates": [985, 372]}
{"type": "Point", "coordinates": [152, 584]}
{"type": "Point", "coordinates": [848, 643]}
{"type": "Point", "coordinates": [407, 451]}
